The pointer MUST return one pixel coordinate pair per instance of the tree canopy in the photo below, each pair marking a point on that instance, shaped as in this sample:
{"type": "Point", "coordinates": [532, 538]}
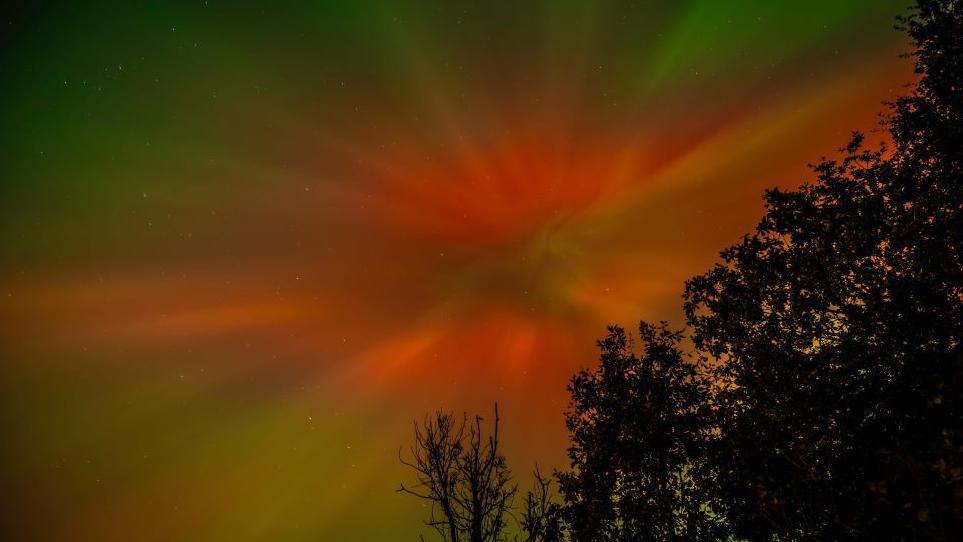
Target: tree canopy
{"type": "Point", "coordinates": [636, 423]}
{"type": "Point", "coordinates": [838, 327]}
{"type": "Point", "coordinates": [818, 391]}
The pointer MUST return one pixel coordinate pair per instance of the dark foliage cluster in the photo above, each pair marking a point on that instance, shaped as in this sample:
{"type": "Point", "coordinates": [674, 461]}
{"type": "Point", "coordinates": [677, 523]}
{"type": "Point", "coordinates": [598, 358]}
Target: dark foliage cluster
{"type": "Point", "coordinates": [636, 423]}
{"type": "Point", "coordinates": [838, 324]}
{"type": "Point", "coordinates": [818, 394]}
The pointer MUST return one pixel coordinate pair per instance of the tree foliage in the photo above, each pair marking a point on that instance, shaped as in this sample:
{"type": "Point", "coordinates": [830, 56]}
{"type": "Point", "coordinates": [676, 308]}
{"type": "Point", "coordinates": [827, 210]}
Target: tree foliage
{"type": "Point", "coordinates": [839, 323]}
{"type": "Point", "coordinates": [636, 423]}
{"type": "Point", "coordinates": [822, 395]}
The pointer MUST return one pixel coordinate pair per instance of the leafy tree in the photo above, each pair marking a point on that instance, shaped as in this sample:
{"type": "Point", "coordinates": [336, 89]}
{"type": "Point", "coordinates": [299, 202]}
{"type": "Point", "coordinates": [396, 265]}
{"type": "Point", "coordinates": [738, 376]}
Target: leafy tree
{"type": "Point", "coordinates": [838, 326]}
{"type": "Point", "coordinates": [833, 406]}
{"type": "Point", "coordinates": [636, 423]}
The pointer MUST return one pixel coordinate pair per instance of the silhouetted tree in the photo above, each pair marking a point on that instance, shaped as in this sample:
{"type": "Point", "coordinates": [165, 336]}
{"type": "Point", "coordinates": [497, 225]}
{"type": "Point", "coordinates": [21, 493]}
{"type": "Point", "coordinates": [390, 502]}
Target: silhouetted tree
{"type": "Point", "coordinates": [838, 326]}
{"type": "Point", "coordinates": [636, 426]}
{"type": "Point", "coordinates": [833, 408]}
{"type": "Point", "coordinates": [460, 471]}
{"type": "Point", "coordinates": [541, 519]}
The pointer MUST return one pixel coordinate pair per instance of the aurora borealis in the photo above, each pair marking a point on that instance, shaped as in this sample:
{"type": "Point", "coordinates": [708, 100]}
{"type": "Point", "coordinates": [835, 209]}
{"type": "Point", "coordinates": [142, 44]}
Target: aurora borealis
{"type": "Point", "coordinates": [242, 248]}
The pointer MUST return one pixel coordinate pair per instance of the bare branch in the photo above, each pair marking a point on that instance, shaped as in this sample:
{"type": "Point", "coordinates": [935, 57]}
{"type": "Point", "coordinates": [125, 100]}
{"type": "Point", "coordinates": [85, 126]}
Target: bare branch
{"type": "Point", "coordinates": [460, 470]}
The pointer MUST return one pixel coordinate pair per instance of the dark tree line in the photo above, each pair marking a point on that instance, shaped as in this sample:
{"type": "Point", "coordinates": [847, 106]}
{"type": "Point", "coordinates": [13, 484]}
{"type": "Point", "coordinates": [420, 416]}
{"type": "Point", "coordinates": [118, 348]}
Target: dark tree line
{"type": "Point", "coordinates": [817, 393]}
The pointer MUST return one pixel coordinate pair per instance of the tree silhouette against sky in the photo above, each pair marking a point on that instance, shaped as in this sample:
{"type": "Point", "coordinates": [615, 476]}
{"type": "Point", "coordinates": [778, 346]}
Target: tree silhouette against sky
{"type": "Point", "coordinates": [821, 396]}
{"type": "Point", "coordinates": [838, 325]}
{"type": "Point", "coordinates": [461, 472]}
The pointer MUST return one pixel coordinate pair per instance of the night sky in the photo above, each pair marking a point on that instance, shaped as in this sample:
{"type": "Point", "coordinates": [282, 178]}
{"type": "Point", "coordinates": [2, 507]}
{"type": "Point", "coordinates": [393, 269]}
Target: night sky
{"type": "Point", "coordinates": [241, 249]}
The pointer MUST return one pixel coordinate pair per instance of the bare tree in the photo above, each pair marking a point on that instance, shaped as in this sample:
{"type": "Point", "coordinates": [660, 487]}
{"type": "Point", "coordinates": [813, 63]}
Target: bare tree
{"type": "Point", "coordinates": [541, 518]}
{"type": "Point", "coordinates": [460, 471]}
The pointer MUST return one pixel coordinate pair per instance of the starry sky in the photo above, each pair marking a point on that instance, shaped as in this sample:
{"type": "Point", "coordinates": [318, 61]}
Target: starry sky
{"type": "Point", "coordinates": [242, 248]}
